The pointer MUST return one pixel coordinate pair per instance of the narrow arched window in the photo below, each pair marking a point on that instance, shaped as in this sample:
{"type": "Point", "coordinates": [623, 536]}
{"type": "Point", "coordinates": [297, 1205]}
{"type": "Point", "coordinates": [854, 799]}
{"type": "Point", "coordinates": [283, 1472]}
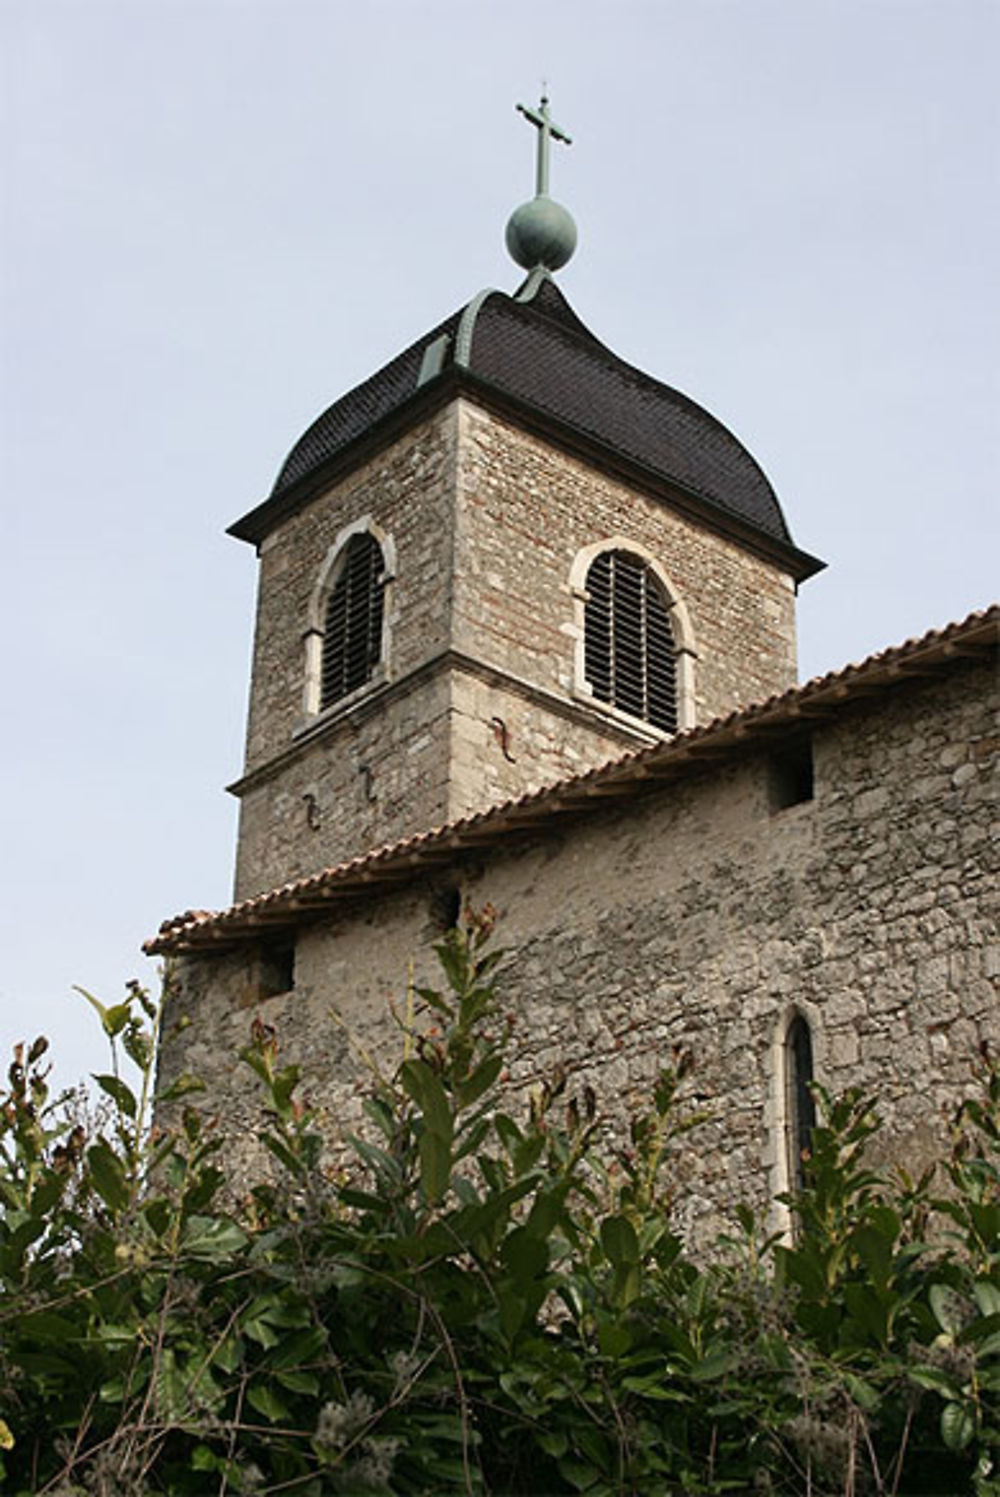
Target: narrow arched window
{"type": "Point", "coordinates": [352, 631]}
{"type": "Point", "coordinates": [800, 1107]}
{"type": "Point", "coordinates": [629, 647]}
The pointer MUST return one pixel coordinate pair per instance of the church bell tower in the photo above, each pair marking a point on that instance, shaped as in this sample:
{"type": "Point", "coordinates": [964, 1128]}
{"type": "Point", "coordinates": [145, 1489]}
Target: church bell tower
{"type": "Point", "coordinates": [504, 559]}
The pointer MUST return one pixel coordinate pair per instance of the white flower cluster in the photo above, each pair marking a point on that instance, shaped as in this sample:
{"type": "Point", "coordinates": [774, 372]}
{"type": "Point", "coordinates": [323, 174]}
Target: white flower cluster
{"type": "Point", "coordinates": [404, 1366]}
{"type": "Point", "coordinates": [375, 1466]}
{"type": "Point", "coordinates": [341, 1424]}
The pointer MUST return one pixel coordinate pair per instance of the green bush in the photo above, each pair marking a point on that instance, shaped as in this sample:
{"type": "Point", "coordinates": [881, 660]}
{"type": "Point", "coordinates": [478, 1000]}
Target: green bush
{"type": "Point", "coordinates": [482, 1303]}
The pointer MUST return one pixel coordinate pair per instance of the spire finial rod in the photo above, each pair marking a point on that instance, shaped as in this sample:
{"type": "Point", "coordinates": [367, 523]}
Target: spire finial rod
{"type": "Point", "coordinates": [547, 130]}
{"type": "Point", "coordinates": [541, 234]}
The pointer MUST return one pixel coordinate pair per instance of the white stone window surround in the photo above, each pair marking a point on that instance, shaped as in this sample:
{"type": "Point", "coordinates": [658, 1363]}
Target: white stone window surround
{"type": "Point", "coordinates": [316, 630]}
{"type": "Point", "coordinates": [685, 650]}
{"type": "Point", "coordinates": [780, 1119]}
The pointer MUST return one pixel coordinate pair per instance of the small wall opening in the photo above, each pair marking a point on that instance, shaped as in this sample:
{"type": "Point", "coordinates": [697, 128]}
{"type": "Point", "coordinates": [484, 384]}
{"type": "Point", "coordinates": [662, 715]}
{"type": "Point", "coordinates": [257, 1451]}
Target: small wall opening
{"type": "Point", "coordinates": [276, 968]}
{"type": "Point", "coordinates": [446, 907]}
{"type": "Point", "coordinates": [790, 774]}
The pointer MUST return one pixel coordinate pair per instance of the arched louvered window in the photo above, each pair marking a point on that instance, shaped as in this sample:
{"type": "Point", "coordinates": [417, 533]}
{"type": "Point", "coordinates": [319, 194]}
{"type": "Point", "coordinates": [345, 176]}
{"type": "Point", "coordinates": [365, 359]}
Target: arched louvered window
{"type": "Point", "coordinates": [799, 1104]}
{"type": "Point", "coordinates": [352, 632]}
{"type": "Point", "coordinates": [630, 652]}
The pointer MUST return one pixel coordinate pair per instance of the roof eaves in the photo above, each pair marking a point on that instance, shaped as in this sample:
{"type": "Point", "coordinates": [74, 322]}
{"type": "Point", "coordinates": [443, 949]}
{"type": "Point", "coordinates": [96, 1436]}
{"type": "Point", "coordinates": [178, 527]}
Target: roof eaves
{"type": "Point", "coordinates": [455, 379]}
{"type": "Point", "coordinates": [257, 524]}
{"type": "Point", "coordinates": [819, 699]}
{"type": "Point", "coordinates": [801, 564]}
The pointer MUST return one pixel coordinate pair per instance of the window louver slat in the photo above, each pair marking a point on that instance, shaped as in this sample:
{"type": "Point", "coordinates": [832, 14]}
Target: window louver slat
{"type": "Point", "coordinates": [628, 640]}
{"type": "Point", "coordinates": [352, 640]}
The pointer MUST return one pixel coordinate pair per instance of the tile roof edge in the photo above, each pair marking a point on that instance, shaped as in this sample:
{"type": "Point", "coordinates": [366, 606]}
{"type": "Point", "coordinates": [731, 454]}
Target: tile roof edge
{"type": "Point", "coordinates": [597, 348]}
{"type": "Point", "coordinates": [461, 326]}
{"type": "Point", "coordinates": [195, 929]}
{"type": "Point", "coordinates": [595, 449]}
{"type": "Point", "coordinates": [457, 380]}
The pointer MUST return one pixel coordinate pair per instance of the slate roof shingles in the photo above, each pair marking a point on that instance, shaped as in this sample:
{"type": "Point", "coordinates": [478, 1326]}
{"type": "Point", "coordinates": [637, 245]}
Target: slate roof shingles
{"type": "Point", "coordinates": [541, 355]}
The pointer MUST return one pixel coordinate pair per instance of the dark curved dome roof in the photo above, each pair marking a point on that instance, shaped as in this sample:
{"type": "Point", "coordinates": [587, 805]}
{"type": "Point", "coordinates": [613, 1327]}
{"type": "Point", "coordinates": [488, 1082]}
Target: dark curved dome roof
{"type": "Point", "coordinates": [355, 413]}
{"type": "Point", "coordinates": [555, 365]}
{"type": "Point", "coordinates": [533, 350]}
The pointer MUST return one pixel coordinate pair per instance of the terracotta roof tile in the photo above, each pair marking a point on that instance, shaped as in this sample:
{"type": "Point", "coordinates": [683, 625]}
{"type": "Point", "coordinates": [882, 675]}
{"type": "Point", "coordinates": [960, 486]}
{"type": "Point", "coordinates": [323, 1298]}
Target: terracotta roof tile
{"type": "Point", "coordinates": [819, 698]}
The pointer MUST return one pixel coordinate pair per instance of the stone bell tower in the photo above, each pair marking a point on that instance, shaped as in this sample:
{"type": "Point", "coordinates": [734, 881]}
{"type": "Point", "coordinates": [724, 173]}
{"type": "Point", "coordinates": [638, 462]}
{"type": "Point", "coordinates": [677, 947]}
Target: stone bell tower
{"type": "Point", "coordinates": [505, 558]}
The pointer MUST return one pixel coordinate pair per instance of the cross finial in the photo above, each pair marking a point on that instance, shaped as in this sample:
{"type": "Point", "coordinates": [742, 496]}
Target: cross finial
{"type": "Point", "coordinates": [547, 130]}
{"type": "Point", "coordinates": [541, 234]}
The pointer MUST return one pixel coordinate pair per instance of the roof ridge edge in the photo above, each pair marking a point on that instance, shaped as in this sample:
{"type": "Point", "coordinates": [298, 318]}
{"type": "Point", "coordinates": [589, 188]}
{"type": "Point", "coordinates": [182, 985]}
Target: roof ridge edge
{"type": "Point", "coordinates": [467, 325]}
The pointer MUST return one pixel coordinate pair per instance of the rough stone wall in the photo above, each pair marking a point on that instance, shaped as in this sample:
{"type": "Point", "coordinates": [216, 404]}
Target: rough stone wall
{"type": "Point", "coordinates": [525, 511]}
{"type": "Point", "coordinates": [373, 775]}
{"type": "Point", "coordinates": [408, 491]}
{"type": "Point", "coordinates": [700, 916]}
{"type": "Point", "coordinates": [506, 743]}
{"type": "Point", "coordinates": [485, 521]}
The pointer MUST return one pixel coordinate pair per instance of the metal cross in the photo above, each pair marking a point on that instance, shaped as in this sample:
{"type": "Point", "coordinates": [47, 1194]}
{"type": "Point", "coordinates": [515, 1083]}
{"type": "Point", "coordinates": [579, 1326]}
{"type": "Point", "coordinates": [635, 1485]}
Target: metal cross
{"type": "Point", "coordinates": [546, 130]}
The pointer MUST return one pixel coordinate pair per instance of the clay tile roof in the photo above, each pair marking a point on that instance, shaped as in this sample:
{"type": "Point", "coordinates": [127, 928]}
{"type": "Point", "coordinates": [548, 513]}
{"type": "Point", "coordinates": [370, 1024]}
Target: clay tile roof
{"type": "Point", "coordinates": [634, 774]}
{"type": "Point", "coordinates": [534, 353]}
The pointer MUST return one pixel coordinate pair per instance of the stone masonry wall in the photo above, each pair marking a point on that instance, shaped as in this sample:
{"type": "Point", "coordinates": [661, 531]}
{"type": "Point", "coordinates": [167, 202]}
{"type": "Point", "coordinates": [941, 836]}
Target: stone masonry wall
{"type": "Point", "coordinates": [407, 490]}
{"type": "Point", "coordinates": [525, 511]}
{"type": "Point", "coordinates": [485, 521]}
{"type": "Point", "coordinates": [370, 777]}
{"type": "Point", "coordinates": [697, 916]}
{"type": "Point", "coordinates": [537, 744]}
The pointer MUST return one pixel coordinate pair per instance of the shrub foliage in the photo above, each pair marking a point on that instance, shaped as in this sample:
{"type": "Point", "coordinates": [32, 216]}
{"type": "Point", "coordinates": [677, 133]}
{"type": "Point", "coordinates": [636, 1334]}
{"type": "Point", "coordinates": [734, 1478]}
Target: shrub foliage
{"type": "Point", "coordinates": [480, 1302]}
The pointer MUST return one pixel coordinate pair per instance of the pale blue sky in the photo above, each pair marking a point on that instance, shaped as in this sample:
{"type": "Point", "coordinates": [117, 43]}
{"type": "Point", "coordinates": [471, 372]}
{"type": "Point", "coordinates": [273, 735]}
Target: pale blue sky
{"type": "Point", "coordinates": [218, 216]}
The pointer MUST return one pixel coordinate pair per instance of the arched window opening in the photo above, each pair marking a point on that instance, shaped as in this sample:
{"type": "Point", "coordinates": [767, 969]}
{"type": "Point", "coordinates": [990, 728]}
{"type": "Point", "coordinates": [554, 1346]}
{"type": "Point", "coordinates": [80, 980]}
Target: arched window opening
{"type": "Point", "coordinates": [629, 648]}
{"type": "Point", "coordinates": [352, 634]}
{"type": "Point", "coordinates": [800, 1106]}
